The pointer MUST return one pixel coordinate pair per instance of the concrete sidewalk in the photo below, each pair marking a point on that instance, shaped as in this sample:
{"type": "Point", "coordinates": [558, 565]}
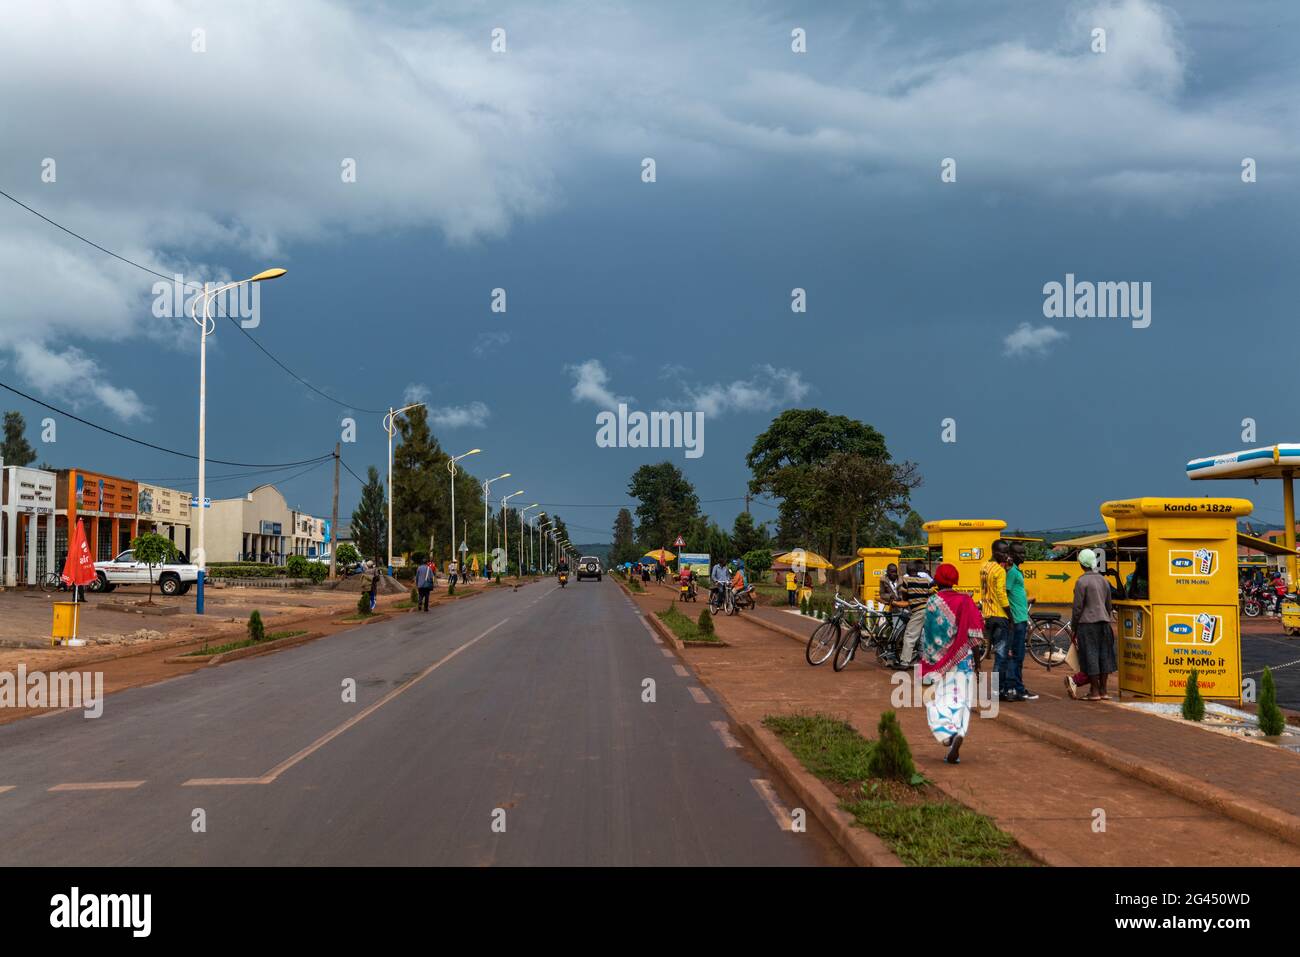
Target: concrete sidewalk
{"type": "Point", "coordinates": [1048, 797]}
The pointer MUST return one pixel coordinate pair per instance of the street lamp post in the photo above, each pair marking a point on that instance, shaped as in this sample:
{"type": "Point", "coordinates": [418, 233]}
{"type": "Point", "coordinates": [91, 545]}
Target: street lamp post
{"type": "Point", "coordinates": [451, 467]}
{"type": "Point", "coordinates": [521, 538]}
{"type": "Point", "coordinates": [208, 325]}
{"type": "Point", "coordinates": [486, 486]}
{"type": "Point", "coordinates": [543, 534]}
{"type": "Point", "coordinates": [390, 426]}
{"type": "Point", "coordinates": [505, 526]}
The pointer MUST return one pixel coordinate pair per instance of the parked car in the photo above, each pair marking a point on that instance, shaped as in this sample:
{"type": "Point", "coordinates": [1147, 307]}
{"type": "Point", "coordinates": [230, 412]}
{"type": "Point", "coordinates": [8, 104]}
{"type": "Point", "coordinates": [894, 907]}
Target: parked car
{"type": "Point", "coordinates": [589, 567]}
{"type": "Point", "coordinates": [172, 578]}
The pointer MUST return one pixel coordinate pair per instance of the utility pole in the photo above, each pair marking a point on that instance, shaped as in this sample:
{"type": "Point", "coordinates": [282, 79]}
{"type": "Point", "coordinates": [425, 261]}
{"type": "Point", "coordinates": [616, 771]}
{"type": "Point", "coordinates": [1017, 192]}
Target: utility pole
{"type": "Point", "coordinates": [334, 514]}
{"type": "Point", "coordinates": [746, 503]}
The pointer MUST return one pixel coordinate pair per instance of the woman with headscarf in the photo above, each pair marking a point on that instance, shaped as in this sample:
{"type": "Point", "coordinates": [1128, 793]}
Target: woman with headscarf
{"type": "Point", "coordinates": [954, 628]}
{"type": "Point", "coordinates": [1093, 636]}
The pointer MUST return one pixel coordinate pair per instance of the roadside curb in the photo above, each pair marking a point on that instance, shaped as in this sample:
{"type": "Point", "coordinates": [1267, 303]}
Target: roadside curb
{"type": "Point", "coordinates": [862, 846]}
{"type": "Point", "coordinates": [1246, 811]}
{"type": "Point", "coordinates": [252, 651]}
{"type": "Point", "coordinates": [664, 632]}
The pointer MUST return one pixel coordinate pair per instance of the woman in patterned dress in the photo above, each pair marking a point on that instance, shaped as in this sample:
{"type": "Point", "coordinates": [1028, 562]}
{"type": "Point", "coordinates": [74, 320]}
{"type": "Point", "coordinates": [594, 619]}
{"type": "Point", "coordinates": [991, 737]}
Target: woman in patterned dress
{"type": "Point", "coordinates": [953, 629]}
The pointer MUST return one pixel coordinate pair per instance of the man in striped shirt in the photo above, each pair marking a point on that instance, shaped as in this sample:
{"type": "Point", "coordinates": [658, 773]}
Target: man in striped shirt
{"type": "Point", "coordinates": [917, 587]}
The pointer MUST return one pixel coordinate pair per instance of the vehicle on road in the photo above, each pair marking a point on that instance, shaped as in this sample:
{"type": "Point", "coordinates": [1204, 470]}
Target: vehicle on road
{"type": "Point", "coordinates": [564, 579]}
{"type": "Point", "coordinates": [589, 567]}
{"type": "Point", "coordinates": [172, 578]}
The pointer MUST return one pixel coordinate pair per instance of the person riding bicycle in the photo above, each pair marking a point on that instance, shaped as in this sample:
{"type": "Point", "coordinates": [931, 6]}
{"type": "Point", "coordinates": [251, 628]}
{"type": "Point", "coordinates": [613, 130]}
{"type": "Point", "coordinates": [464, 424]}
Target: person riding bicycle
{"type": "Point", "coordinates": [718, 579]}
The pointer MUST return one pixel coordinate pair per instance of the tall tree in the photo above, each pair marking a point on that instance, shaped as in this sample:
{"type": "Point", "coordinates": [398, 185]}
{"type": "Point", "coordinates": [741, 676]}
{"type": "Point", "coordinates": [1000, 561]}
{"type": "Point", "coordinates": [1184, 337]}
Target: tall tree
{"type": "Point", "coordinates": [422, 494]}
{"type": "Point", "coordinates": [668, 503]}
{"type": "Point", "coordinates": [913, 532]}
{"type": "Point", "coordinates": [853, 492]}
{"type": "Point", "coordinates": [16, 450]}
{"type": "Point", "coordinates": [624, 547]}
{"type": "Point", "coordinates": [746, 536]}
{"type": "Point", "coordinates": [370, 519]}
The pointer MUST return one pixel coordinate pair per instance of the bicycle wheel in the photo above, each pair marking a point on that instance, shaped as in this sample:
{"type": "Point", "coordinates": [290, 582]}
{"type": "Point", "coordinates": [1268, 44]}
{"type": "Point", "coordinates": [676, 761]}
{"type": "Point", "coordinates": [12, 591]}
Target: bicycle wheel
{"type": "Point", "coordinates": [823, 642]}
{"type": "Point", "coordinates": [730, 605]}
{"type": "Point", "coordinates": [845, 650]}
{"type": "Point", "coordinates": [50, 583]}
{"type": "Point", "coordinates": [1251, 608]}
{"type": "Point", "coordinates": [1049, 643]}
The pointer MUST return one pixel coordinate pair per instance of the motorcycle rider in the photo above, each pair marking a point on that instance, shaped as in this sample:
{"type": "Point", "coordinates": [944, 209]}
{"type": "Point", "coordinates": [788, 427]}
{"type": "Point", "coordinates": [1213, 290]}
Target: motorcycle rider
{"type": "Point", "coordinates": [562, 567]}
{"type": "Point", "coordinates": [718, 578]}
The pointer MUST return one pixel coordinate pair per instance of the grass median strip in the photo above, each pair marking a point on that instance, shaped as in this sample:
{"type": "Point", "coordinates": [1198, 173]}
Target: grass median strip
{"type": "Point", "coordinates": [246, 643]}
{"type": "Point", "coordinates": [921, 826]}
{"type": "Point", "coordinates": [683, 627]}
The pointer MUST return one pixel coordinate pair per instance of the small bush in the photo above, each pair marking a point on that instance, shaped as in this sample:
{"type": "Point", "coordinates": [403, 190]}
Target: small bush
{"type": "Point", "coordinates": [1271, 720]}
{"type": "Point", "coordinates": [451, 586]}
{"type": "Point", "coordinates": [803, 605]}
{"type": "Point", "coordinates": [891, 757]}
{"type": "Point", "coordinates": [1193, 703]}
{"type": "Point", "coordinates": [363, 603]}
{"type": "Point", "coordinates": [415, 596]}
{"type": "Point", "coordinates": [705, 622]}
{"type": "Point", "coordinates": [256, 630]}
{"type": "Point", "coordinates": [317, 571]}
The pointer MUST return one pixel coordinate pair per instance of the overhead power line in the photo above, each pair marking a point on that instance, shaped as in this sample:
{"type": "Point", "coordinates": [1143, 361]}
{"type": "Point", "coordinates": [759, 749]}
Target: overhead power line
{"type": "Point", "coordinates": [154, 272]}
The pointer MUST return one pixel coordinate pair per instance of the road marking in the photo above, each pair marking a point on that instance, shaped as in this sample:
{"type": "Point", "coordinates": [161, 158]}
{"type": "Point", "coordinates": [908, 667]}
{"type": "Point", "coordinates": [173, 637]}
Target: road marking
{"type": "Point", "coordinates": [7, 787]}
{"type": "Point", "coordinates": [724, 732]}
{"type": "Point", "coordinates": [779, 811]}
{"type": "Point", "coordinates": [698, 694]}
{"type": "Point", "coordinates": [329, 736]}
{"type": "Point", "coordinates": [667, 653]}
{"type": "Point", "coordinates": [98, 786]}
{"type": "Point", "coordinates": [681, 672]}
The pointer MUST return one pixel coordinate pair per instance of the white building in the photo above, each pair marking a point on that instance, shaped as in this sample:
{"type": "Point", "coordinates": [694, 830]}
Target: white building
{"type": "Point", "coordinates": [28, 504]}
{"type": "Point", "coordinates": [261, 527]}
{"type": "Point", "coordinates": [167, 512]}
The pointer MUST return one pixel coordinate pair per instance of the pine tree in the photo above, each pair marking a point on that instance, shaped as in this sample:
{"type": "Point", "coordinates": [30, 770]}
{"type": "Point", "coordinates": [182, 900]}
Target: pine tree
{"type": "Point", "coordinates": [746, 536]}
{"type": "Point", "coordinates": [704, 624]}
{"type": "Point", "coordinates": [16, 450]}
{"type": "Point", "coordinates": [1193, 703]}
{"type": "Point", "coordinates": [891, 757]}
{"type": "Point", "coordinates": [624, 547]}
{"type": "Point", "coordinates": [370, 519]}
{"type": "Point", "coordinates": [256, 630]}
{"type": "Point", "coordinates": [1271, 720]}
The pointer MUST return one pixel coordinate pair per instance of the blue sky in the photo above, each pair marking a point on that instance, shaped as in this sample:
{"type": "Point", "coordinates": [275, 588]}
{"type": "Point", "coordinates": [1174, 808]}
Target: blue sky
{"type": "Point", "coordinates": [775, 170]}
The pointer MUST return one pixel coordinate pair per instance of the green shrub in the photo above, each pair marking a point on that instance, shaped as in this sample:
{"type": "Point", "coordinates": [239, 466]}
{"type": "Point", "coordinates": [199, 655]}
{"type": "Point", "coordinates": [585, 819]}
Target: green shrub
{"type": "Point", "coordinates": [363, 602]}
{"type": "Point", "coordinates": [415, 596]}
{"type": "Point", "coordinates": [1271, 720]}
{"type": "Point", "coordinates": [1193, 703]}
{"type": "Point", "coordinates": [256, 630]}
{"type": "Point", "coordinates": [296, 566]}
{"type": "Point", "coordinates": [891, 757]}
{"type": "Point", "coordinates": [705, 622]}
{"type": "Point", "coordinates": [451, 586]}
{"type": "Point", "coordinates": [803, 605]}
{"type": "Point", "coordinates": [317, 571]}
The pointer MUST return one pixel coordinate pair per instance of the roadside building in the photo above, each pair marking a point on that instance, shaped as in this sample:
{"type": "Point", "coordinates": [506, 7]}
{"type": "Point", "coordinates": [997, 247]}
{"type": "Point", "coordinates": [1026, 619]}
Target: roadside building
{"type": "Point", "coordinates": [308, 535]}
{"type": "Point", "coordinates": [27, 539]}
{"type": "Point", "coordinates": [256, 527]}
{"type": "Point", "coordinates": [108, 505]}
{"type": "Point", "coordinates": [166, 512]}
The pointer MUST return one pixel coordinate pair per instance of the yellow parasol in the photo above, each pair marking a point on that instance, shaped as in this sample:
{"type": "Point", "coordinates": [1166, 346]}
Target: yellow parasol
{"type": "Point", "coordinates": [662, 555]}
{"type": "Point", "coordinates": [809, 559]}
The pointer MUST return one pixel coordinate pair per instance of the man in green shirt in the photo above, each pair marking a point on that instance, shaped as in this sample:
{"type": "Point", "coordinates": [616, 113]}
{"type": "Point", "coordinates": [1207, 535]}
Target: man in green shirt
{"type": "Point", "coordinates": [1019, 603]}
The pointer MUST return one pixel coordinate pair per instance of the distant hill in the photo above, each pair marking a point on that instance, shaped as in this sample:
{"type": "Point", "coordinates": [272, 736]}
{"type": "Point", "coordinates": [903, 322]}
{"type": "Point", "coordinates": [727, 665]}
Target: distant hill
{"type": "Point", "coordinates": [600, 551]}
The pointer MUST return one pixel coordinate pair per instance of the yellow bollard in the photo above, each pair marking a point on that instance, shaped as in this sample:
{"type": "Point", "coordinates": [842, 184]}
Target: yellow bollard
{"type": "Point", "coordinates": [65, 620]}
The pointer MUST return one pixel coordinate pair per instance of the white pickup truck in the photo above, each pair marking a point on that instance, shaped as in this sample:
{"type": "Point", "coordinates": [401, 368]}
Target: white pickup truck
{"type": "Point", "coordinates": [172, 578]}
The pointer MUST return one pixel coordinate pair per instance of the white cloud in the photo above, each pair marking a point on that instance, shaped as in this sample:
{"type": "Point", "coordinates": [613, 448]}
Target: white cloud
{"type": "Point", "coordinates": [487, 341]}
{"type": "Point", "coordinates": [591, 384]}
{"type": "Point", "coordinates": [416, 393]}
{"type": "Point", "coordinates": [1029, 340]}
{"type": "Point", "coordinates": [474, 415]}
{"type": "Point", "coordinates": [769, 388]}
{"type": "Point", "coordinates": [72, 375]}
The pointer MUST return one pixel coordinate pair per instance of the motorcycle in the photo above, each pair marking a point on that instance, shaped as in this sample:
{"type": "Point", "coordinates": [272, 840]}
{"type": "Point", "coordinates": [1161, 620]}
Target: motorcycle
{"type": "Point", "coordinates": [564, 579]}
{"type": "Point", "coordinates": [688, 591]}
{"type": "Point", "coordinates": [1254, 601]}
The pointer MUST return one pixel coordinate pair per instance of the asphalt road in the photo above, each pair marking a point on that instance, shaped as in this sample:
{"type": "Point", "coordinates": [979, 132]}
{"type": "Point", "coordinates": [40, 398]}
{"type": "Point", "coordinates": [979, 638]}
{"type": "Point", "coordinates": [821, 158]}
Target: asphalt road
{"type": "Point", "coordinates": [521, 709]}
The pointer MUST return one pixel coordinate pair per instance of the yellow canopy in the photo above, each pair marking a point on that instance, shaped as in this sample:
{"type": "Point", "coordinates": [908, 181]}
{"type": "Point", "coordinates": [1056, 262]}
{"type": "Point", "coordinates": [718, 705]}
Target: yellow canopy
{"type": "Point", "coordinates": [1087, 541]}
{"type": "Point", "coordinates": [810, 559]}
{"type": "Point", "coordinates": [1262, 545]}
{"type": "Point", "coordinates": [663, 555]}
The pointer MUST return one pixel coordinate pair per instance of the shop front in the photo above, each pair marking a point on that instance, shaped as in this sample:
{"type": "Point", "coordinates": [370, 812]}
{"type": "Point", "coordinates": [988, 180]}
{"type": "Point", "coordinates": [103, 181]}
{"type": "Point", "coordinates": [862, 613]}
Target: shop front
{"type": "Point", "coordinates": [165, 512]}
{"type": "Point", "coordinates": [108, 505]}
{"type": "Point", "coordinates": [27, 539]}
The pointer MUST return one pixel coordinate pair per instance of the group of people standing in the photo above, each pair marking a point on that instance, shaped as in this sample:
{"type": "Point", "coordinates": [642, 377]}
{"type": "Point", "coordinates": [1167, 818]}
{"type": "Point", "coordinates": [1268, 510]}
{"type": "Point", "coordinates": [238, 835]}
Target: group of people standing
{"type": "Point", "coordinates": [426, 578]}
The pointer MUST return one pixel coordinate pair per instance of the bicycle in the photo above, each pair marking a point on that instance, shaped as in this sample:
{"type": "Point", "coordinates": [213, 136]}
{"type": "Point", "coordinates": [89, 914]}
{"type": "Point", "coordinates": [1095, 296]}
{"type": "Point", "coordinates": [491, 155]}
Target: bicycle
{"type": "Point", "coordinates": [1048, 638]}
{"type": "Point", "coordinates": [826, 637]}
{"type": "Point", "coordinates": [881, 630]}
{"type": "Point", "coordinates": [52, 582]}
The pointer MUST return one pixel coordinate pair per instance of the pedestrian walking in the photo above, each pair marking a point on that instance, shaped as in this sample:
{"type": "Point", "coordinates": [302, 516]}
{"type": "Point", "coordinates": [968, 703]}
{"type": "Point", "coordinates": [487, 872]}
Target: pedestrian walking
{"type": "Point", "coordinates": [645, 575]}
{"type": "Point", "coordinates": [953, 628]}
{"type": "Point", "coordinates": [996, 610]}
{"type": "Point", "coordinates": [1018, 603]}
{"type": "Point", "coordinates": [374, 587]}
{"type": "Point", "coordinates": [791, 588]}
{"type": "Point", "coordinates": [424, 583]}
{"type": "Point", "coordinates": [1094, 636]}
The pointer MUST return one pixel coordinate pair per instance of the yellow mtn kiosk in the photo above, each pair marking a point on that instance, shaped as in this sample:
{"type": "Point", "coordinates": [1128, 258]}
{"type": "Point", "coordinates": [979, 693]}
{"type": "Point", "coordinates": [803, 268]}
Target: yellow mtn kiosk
{"type": "Point", "coordinates": [1188, 616]}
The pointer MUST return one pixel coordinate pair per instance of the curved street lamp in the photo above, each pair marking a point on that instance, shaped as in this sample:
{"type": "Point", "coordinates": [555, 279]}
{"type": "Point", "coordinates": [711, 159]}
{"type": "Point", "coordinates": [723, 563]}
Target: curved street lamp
{"type": "Point", "coordinates": [505, 527]}
{"type": "Point", "coordinates": [390, 426]}
{"type": "Point", "coordinates": [208, 325]}
{"type": "Point", "coordinates": [543, 535]}
{"type": "Point", "coordinates": [451, 467]}
{"type": "Point", "coordinates": [486, 486]}
{"type": "Point", "coordinates": [521, 537]}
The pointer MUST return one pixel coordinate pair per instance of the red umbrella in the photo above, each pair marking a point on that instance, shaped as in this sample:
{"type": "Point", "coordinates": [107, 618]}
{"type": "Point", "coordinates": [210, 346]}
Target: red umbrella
{"type": "Point", "coordinates": [79, 568]}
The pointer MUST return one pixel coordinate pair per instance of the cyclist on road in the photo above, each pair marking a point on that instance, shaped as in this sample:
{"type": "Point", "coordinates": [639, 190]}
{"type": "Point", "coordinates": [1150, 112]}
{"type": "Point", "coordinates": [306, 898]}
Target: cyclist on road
{"type": "Point", "coordinates": [718, 578]}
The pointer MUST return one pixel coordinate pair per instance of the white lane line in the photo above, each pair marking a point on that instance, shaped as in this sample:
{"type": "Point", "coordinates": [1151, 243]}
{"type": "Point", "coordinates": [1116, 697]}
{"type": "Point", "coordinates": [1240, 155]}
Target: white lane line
{"type": "Point", "coordinates": [667, 653]}
{"type": "Point", "coordinates": [98, 786]}
{"type": "Point", "coordinates": [724, 732]}
{"type": "Point", "coordinates": [698, 694]}
{"type": "Point", "coordinates": [780, 813]}
{"type": "Point", "coordinates": [681, 672]}
{"type": "Point", "coordinates": [7, 787]}
{"type": "Point", "coordinates": [329, 736]}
